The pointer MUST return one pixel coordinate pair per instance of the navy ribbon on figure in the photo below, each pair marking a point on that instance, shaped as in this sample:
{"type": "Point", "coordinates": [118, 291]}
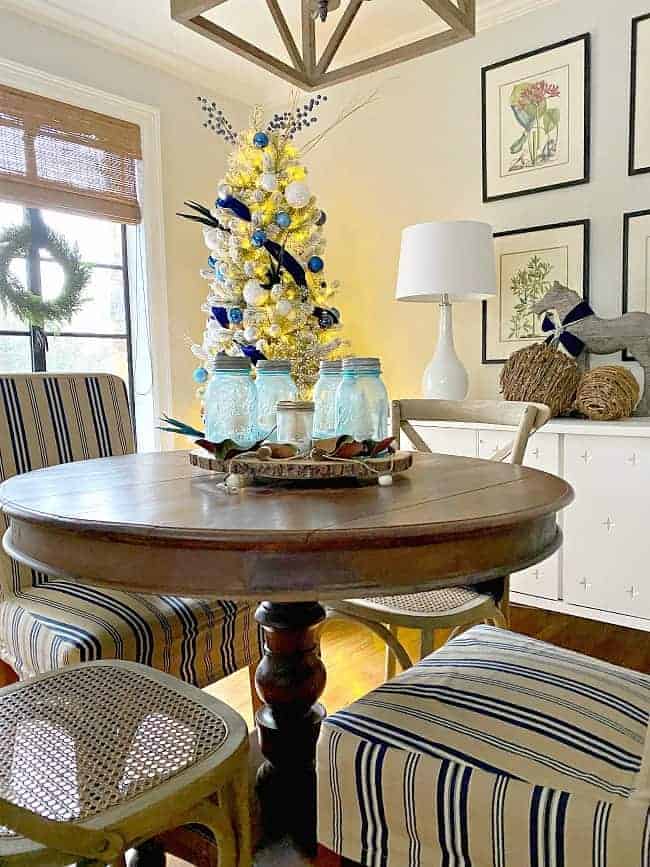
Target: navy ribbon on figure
{"type": "Point", "coordinates": [570, 342]}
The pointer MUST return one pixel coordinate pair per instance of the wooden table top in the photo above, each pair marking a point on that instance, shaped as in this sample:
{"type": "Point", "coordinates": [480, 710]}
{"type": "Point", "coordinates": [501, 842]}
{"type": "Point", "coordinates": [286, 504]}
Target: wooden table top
{"type": "Point", "coordinates": [153, 523]}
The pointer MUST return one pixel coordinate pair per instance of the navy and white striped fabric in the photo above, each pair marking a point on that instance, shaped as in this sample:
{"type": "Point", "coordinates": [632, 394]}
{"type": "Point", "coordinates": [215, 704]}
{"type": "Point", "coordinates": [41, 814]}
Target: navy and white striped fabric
{"type": "Point", "coordinates": [496, 751]}
{"type": "Point", "coordinates": [47, 623]}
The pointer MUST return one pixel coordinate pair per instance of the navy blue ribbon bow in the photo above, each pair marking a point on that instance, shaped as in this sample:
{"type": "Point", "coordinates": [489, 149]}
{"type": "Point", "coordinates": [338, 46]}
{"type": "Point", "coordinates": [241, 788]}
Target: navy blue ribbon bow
{"type": "Point", "coordinates": [570, 342]}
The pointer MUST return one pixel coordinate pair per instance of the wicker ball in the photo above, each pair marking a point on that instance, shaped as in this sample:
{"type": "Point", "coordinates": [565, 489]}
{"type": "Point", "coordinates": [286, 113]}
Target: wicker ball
{"type": "Point", "coordinates": [607, 393]}
{"type": "Point", "coordinates": [541, 374]}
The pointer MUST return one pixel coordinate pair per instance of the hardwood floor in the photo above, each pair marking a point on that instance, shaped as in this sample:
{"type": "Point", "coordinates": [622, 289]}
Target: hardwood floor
{"type": "Point", "coordinates": [354, 658]}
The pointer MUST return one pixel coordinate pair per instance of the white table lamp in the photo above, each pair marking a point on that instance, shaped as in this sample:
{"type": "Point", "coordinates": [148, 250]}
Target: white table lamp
{"type": "Point", "coordinates": [446, 262]}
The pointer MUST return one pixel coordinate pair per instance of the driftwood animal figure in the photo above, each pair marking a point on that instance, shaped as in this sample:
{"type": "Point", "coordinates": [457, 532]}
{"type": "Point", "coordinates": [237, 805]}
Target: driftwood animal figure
{"type": "Point", "coordinates": [600, 336]}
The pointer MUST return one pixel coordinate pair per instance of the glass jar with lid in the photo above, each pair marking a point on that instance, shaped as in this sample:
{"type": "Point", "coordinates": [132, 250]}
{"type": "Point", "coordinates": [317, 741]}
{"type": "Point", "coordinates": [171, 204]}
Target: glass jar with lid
{"type": "Point", "coordinates": [296, 423]}
{"type": "Point", "coordinates": [325, 399]}
{"type": "Point", "coordinates": [231, 402]}
{"type": "Point", "coordinates": [274, 384]}
{"type": "Point", "coordinates": [362, 407]}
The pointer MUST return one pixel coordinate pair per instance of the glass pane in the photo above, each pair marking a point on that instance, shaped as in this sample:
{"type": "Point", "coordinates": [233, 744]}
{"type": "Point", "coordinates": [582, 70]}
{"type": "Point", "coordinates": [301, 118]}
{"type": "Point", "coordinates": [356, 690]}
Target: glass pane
{"type": "Point", "coordinates": [15, 354]}
{"type": "Point", "coordinates": [88, 355]}
{"type": "Point", "coordinates": [8, 320]}
{"type": "Point", "coordinates": [99, 241]}
{"type": "Point", "coordinates": [11, 214]}
{"type": "Point", "coordinates": [51, 280]}
{"type": "Point", "coordinates": [103, 311]}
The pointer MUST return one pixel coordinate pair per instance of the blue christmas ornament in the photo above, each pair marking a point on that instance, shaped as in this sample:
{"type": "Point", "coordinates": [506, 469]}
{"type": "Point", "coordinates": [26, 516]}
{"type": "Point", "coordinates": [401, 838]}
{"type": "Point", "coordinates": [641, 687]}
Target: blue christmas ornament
{"type": "Point", "coordinates": [235, 315]}
{"type": "Point", "coordinates": [221, 272]}
{"type": "Point", "coordinates": [260, 140]}
{"type": "Point", "coordinates": [212, 262]}
{"type": "Point", "coordinates": [315, 264]}
{"type": "Point", "coordinates": [258, 238]}
{"type": "Point", "coordinates": [200, 375]}
{"type": "Point", "coordinates": [221, 203]}
{"type": "Point", "coordinates": [283, 220]}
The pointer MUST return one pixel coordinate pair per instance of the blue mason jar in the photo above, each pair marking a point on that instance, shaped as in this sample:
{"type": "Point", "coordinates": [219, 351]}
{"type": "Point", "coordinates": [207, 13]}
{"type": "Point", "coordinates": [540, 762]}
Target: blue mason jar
{"type": "Point", "coordinates": [362, 406]}
{"type": "Point", "coordinates": [329, 380]}
{"type": "Point", "coordinates": [274, 383]}
{"type": "Point", "coordinates": [231, 402]}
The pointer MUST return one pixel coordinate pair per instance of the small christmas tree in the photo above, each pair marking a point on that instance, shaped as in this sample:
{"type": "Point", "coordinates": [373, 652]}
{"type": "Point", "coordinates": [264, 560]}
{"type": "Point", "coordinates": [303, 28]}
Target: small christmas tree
{"type": "Point", "coordinates": [269, 296]}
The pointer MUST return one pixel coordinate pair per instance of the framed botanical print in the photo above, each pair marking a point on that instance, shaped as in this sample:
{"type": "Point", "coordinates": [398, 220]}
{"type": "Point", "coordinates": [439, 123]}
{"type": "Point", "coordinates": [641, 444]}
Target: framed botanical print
{"type": "Point", "coordinates": [528, 262]}
{"type": "Point", "coordinates": [536, 120]}
{"type": "Point", "coordinates": [636, 264]}
{"type": "Point", "coordinates": [639, 160]}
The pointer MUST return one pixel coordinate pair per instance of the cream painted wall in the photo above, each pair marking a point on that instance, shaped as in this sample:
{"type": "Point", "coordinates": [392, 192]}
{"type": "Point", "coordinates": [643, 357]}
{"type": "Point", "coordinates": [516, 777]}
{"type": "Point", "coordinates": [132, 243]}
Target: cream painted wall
{"type": "Point", "coordinates": [192, 160]}
{"type": "Point", "coordinates": [416, 155]}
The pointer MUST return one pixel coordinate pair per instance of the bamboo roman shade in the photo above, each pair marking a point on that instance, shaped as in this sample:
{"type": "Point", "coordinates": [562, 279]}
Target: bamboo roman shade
{"type": "Point", "coordinates": [57, 155]}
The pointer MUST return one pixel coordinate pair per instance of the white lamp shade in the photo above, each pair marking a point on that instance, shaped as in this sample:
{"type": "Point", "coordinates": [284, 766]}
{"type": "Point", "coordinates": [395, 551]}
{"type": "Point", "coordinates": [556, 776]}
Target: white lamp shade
{"type": "Point", "coordinates": [453, 258]}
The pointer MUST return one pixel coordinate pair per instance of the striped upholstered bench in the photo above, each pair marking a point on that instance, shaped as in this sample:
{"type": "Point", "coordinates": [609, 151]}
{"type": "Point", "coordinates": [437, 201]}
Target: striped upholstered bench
{"type": "Point", "coordinates": [496, 751]}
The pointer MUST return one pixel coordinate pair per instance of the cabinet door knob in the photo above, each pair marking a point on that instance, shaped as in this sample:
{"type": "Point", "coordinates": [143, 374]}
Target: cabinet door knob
{"type": "Point", "coordinates": [586, 585]}
{"type": "Point", "coordinates": [633, 592]}
{"type": "Point", "coordinates": [535, 453]}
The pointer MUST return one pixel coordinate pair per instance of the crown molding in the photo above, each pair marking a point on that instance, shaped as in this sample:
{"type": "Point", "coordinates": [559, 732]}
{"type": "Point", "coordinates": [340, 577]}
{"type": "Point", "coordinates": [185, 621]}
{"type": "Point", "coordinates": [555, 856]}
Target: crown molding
{"type": "Point", "coordinates": [95, 32]}
{"type": "Point", "coordinates": [490, 13]}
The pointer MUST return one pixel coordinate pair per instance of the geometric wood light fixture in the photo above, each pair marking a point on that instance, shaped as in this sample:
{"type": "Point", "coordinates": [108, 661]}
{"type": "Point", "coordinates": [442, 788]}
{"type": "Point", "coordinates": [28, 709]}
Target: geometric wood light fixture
{"type": "Point", "coordinates": [309, 71]}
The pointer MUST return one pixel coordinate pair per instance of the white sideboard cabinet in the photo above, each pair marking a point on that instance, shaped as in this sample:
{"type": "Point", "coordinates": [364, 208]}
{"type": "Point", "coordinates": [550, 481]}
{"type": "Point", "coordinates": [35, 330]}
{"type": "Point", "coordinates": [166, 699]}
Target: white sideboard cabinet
{"type": "Point", "coordinates": [602, 570]}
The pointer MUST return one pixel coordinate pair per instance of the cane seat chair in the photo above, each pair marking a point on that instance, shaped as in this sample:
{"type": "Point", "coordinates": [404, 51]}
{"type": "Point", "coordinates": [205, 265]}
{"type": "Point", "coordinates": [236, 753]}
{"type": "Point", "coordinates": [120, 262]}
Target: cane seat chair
{"type": "Point", "coordinates": [100, 757]}
{"type": "Point", "coordinates": [48, 622]}
{"type": "Point", "coordinates": [454, 608]}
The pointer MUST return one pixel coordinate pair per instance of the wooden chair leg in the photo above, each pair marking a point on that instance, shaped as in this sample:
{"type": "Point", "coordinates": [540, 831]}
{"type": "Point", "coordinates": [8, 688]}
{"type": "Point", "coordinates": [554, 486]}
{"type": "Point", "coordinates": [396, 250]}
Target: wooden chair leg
{"type": "Point", "coordinates": [241, 817]}
{"type": "Point", "coordinates": [257, 702]}
{"type": "Point", "coordinates": [7, 674]}
{"type": "Point", "coordinates": [504, 605]}
{"type": "Point", "coordinates": [216, 818]}
{"type": "Point", "coordinates": [391, 661]}
{"type": "Point", "coordinates": [426, 642]}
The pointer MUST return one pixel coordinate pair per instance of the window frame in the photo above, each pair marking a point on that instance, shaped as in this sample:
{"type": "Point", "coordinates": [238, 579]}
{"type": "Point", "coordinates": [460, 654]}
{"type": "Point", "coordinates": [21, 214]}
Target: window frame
{"type": "Point", "coordinates": [150, 312]}
{"type": "Point", "coordinates": [38, 350]}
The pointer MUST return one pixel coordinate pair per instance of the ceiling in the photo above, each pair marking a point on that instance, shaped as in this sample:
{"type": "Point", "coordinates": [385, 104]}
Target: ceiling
{"type": "Point", "coordinates": [143, 29]}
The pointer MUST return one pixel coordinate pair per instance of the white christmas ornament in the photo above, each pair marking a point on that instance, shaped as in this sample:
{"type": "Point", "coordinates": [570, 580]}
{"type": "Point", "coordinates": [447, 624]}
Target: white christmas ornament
{"type": "Point", "coordinates": [275, 330]}
{"type": "Point", "coordinates": [253, 292]}
{"type": "Point", "coordinates": [269, 181]}
{"type": "Point", "coordinates": [297, 194]}
{"type": "Point", "coordinates": [211, 238]}
{"type": "Point", "coordinates": [283, 307]}
{"type": "Point", "coordinates": [224, 190]}
{"type": "Point", "coordinates": [251, 333]}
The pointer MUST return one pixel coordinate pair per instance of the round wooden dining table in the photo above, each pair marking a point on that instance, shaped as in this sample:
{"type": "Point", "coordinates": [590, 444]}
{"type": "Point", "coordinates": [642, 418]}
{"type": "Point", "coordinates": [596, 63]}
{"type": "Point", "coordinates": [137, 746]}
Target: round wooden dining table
{"type": "Point", "coordinates": [153, 523]}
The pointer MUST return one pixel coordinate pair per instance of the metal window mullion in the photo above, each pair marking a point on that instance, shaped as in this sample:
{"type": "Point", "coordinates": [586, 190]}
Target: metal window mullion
{"type": "Point", "coordinates": [34, 285]}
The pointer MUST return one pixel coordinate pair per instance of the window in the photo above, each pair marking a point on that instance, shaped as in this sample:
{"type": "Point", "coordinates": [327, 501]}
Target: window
{"type": "Point", "coordinates": [97, 339]}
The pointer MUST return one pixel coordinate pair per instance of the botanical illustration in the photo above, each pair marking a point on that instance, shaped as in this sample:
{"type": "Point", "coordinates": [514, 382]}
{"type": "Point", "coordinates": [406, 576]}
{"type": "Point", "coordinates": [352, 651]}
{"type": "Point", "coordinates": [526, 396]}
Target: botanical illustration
{"type": "Point", "coordinates": [536, 108]}
{"type": "Point", "coordinates": [528, 285]}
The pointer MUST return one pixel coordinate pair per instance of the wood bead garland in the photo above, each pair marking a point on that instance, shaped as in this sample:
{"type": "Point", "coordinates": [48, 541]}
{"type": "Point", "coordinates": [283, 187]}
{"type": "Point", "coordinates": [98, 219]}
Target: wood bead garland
{"type": "Point", "coordinates": [541, 374]}
{"type": "Point", "coordinates": [607, 393]}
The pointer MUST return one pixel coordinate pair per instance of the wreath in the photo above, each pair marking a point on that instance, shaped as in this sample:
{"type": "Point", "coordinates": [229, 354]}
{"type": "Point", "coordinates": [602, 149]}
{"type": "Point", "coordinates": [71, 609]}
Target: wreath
{"type": "Point", "coordinates": [16, 242]}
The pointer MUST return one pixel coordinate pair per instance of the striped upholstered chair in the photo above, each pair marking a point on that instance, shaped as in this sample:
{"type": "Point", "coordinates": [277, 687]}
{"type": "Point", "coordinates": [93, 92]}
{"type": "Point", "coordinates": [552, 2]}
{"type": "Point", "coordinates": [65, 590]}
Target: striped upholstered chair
{"type": "Point", "coordinates": [47, 623]}
{"type": "Point", "coordinates": [496, 751]}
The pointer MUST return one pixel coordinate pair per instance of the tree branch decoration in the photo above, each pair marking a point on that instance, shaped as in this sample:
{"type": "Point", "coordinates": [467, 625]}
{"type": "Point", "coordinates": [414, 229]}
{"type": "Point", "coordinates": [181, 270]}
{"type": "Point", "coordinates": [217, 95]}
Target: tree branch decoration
{"type": "Point", "coordinates": [16, 242]}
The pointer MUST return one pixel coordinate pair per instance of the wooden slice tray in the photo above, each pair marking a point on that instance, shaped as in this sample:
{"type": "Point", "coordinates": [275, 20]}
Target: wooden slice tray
{"type": "Point", "coordinates": [304, 469]}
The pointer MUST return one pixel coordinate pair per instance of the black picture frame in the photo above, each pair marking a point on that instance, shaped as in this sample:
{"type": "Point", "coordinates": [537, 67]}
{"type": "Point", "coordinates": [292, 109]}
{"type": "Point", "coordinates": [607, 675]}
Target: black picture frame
{"type": "Point", "coordinates": [625, 281]}
{"type": "Point", "coordinates": [632, 169]}
{"type": "Point", "coordinates": [586, 247]}
{"type": "Point", "coordinates": [586, 176]}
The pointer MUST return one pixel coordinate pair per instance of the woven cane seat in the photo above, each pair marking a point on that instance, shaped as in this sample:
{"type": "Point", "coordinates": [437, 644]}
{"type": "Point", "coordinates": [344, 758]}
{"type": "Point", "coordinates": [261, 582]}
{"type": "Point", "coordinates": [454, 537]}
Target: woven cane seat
{"type": "Point", "coordinates": [444, 601]}
{"type": "Point", "coordinates": [81, 741]}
